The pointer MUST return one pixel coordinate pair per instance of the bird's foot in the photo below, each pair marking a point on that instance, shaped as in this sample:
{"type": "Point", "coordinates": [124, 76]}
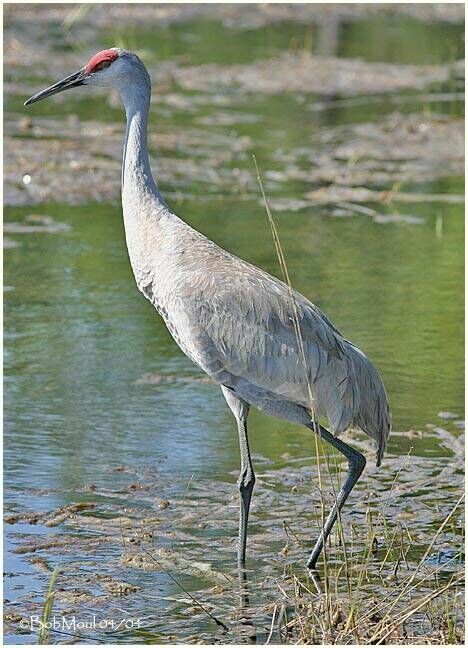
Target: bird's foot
{"type": "Point", "coordinates": [315, 578]}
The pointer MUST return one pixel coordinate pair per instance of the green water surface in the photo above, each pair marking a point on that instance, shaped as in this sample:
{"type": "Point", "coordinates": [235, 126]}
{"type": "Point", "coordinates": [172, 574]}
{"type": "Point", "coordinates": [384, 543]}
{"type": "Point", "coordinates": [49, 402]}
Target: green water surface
{"type": "Point", "coordinates": [78, 334]}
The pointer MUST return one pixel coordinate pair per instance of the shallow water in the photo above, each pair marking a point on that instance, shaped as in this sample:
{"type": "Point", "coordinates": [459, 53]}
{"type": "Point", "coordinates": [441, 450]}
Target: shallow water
{"type": "Point", "coordinates": [100, 405]}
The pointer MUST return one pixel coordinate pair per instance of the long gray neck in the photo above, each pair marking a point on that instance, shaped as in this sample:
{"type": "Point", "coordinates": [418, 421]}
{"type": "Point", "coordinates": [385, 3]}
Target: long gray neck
{"type": "Point", "coordinates": [138, 183]}
{"type": "Point", "coordinates": [142, 204]}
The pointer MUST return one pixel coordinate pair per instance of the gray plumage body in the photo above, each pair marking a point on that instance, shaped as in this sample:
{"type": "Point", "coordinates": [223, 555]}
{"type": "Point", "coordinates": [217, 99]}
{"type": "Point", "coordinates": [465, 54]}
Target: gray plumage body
{"type": "Point", "coordinates": [235, 321]}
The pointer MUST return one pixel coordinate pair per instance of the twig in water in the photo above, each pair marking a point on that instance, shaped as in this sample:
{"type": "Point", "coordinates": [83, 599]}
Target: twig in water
{"type": "Point", "coordinates": [272, 626]}
{"type": "Point", "coordinates": [49, 602]}
{"type": "Point", "coordinates": [302, 356]}
{"type": "Point", "coordinates": [176, 582]}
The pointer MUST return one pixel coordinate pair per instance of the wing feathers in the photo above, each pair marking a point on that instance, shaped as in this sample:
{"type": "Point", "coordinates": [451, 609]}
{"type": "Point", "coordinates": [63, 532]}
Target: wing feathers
{"type": "Point", "coordinates": [243, 323]}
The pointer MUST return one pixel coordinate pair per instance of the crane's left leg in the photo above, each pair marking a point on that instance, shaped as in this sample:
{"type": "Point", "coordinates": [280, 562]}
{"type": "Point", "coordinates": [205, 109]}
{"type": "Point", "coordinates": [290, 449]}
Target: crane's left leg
{"type": "Point", "coordinates": [246, 480]}
{"type": "Point", "coordinates": [356, 464]}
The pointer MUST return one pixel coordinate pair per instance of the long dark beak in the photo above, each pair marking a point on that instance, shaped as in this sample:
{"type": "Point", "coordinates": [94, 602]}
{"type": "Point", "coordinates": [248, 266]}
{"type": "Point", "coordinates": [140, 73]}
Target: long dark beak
{"type": "Point", "coordinates": [73, 81]}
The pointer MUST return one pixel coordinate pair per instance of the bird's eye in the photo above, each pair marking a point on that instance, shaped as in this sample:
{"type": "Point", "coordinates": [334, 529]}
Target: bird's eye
{"type": "Point", "coordinates": [101, 66]}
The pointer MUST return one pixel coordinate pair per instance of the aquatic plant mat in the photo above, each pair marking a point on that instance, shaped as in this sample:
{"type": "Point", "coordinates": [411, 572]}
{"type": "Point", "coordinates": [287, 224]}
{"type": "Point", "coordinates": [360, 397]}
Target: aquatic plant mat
{"type": "Point", "coordinates": [397, 577]}
{"type": "Point", "coordinates": [203, 115]}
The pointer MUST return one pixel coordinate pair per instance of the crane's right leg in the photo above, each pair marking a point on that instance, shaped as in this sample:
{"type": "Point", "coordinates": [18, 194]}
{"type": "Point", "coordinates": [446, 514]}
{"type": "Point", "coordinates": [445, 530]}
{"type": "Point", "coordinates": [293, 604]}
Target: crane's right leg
{"type": "Point", "coordinates": [246, 480]}
{"type": "Point", "coordinates": [356, 464]}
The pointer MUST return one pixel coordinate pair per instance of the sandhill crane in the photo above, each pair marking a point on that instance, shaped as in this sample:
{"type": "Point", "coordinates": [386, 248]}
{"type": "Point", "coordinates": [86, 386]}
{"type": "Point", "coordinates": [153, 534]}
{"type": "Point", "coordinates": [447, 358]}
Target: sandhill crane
{"type": "Point", "coordinates": [264, 344]}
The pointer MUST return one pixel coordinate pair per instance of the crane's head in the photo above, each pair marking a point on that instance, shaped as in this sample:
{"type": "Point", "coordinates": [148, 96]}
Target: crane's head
{"type": "Point", "coordinates": [113, 67]}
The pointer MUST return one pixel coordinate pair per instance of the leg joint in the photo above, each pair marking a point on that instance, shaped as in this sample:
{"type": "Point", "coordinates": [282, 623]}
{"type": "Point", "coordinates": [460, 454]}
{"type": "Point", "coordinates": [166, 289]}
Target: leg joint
{"type": "Point", "coordinates": [356, 463]}
{"type": "Point", "coordinates": [246, 479]}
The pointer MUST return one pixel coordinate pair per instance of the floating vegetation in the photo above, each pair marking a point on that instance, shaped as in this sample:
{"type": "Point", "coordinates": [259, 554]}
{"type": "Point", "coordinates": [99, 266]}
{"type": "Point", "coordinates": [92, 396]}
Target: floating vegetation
{"type": "Point", "coordinates": [394, 514]}
{"type": "Point", "coordinates": [343, 159]}
{"type": "Point", "coordinates": [334, 194]}
{"type": "Point", "coordinates": [36, 224]}
{"type": "Point", "coordinates": [305, 73]}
